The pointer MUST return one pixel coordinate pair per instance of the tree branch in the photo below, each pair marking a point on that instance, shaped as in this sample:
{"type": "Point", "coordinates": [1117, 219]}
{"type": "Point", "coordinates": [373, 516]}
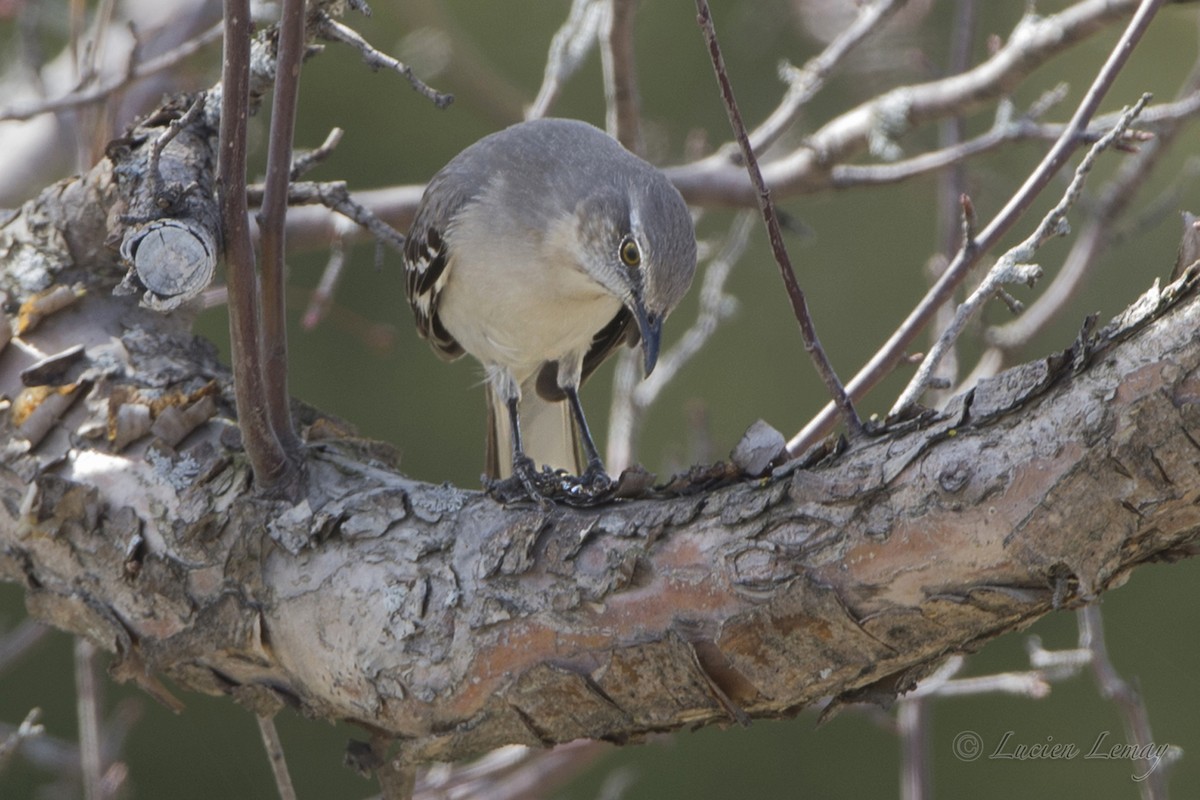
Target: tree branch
{"type": "Point", "coordinates": [440, 617]}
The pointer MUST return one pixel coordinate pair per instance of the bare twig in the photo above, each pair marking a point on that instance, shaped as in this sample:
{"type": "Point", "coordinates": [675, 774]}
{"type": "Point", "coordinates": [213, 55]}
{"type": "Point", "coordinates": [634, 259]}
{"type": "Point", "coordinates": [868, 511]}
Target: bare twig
{"type": "Point", "coordinates": [891, 352]}
{"type": "Point", "coordinates": [87, 705]}
{"type": "Point", "coordinates": [29, 728]}
{"type": "Point", "coordinates": [266, 453]}
{"type": "Point", "coordinates": [717, 181]}
{"type": "Point", "coordinates": [306, 161]}
{"type": "Point", "coordinates": [336, 31]}
{"type": "Point", "coordinates": [805, 82]}
{"type": "Point", "coordinates": [19, 641]}
{"type": "Point", "coordinates": [509, 773]}
{"type": "Point", "coordinates": [1015, 266]}
{"type": "Point", "coordinates": [569, 47]}
{"type": "Point", "coordinates": [1151, 774]}
{"type": "Point", "coordinates": [912, 723]}
{"type": "Point", "coordinates": [322, 296]}
{"type": "Point", "coordinates": [795, 294]}
{"type": "Point", "coordinates": [334, 195]}
{"type": "Point", "coordinates": [631, 398]}
{"type": "Point", "coordinates": [274, 748]}
{"type": "Point", "coordinates": [622, 101]}
{"type": "Point", "coordinates": [103, 89]}
{"type": "Point", "coordinates": [154, 179]}
{"type": "Point", "coordinates": [272, 220]}
{"type": "Point", "coordinates": [1100, 228]}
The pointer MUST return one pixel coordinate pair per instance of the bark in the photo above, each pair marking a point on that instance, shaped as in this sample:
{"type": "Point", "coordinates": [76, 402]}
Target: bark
{"type": "Point", "coordinates": [438, 616]}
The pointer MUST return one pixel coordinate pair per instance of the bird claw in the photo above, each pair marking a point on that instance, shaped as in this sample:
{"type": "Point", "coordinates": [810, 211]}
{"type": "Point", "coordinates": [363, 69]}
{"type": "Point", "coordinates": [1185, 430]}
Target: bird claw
{"type": "Point", "coordinates": [546, 487]}
{"type": "Point", "coordinates": [595, 480]}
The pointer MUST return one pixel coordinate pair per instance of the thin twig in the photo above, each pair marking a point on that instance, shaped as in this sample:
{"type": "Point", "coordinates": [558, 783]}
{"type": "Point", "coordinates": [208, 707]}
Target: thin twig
{"type": "Point", "coordinates": [322, 296]}
{"type": "Point", "coordinates": [956, 221]}
{"type": "Point", "coordinates": [87, 706]}
{"type": "Point", "coordinates": [335, 196]}
{"type": "Point", "coordinates": [805, 82]}
{"type": "Point", "coordinates": [1004, 130]}
{"type": "Point", "coordinates": [154, 179]}
{"type": "Point", "coordinates": [1097, 236]}
{"type": "Point", "coordinates": [569, 47]}
{"type": "Point", "coordinates": [508, 773]}
{"type": "Point", "coordinates": [29, 728]}
{"type": "Point", "coordinates": [892, 351]}
{"type": "Point", "coordinates": [912, 723]}
{"type": "Point", "coordinates": [1151, 774]}
{"type": "Point", "coordinates": [632, 398]}
{"type": "Point", "coordinates": [716, 181]}
{"type": "Point", "coordinates": [305, 162]}
{"type": "Point", "coordinates": [20, 640]}
{"type": "Point", "coordinates": [795, 294]}
{"type": "Point", "coordinates": [102, 90]}
{"type": "Point", "coordinates": [336, 31]}
{"type": "Point", "coordinates": [266, 454]}
{"type": "Point", "coordinates": [622, 100]}
{"type": "Point", "coordinates": [1015, 266]}
{"type": "Point", "coordinates": [274, 748]}
{"type": "Point", "coordinates": [272, 221]}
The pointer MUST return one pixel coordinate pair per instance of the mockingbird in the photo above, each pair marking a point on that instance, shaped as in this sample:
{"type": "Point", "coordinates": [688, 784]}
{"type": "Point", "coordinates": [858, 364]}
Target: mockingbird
{"type": "Point", "coordinates": [538, 250]}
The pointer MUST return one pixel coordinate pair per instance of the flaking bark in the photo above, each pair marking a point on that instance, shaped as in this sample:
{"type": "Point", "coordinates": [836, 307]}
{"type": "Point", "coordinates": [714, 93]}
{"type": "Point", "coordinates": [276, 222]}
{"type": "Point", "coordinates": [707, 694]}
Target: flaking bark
{"type": "Point", "coordinates": [437, 616]}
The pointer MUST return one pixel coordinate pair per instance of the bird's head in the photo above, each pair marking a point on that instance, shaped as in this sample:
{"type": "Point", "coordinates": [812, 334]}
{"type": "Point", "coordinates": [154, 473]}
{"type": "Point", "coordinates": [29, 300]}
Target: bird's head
{"type": "Point", "coordinates": [642, 250]}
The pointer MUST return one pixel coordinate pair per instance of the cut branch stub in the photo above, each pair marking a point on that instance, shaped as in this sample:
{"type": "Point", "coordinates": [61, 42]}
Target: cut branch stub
{"type": "Point", "coordinates": [173, 260]}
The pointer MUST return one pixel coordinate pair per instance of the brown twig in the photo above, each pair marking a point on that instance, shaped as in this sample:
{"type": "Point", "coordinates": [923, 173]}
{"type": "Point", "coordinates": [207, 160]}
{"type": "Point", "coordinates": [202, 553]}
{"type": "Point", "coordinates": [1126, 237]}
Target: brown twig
{"type": "Point", "coordinates": [266, 454]}
{"type": "Point", "coordinates": [272, 220]}
{"type": "Point", "coordinates": [885, 359]}
{"type": "Point", "coordinates": [795, 294]}
{"type": "Point", "coordinates": [955, 213]}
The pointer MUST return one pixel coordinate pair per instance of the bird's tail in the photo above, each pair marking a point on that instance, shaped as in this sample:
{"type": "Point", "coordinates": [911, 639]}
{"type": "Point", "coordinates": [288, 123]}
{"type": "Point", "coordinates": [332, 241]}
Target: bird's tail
{"type": "Point", "coordinates": [548, 433]}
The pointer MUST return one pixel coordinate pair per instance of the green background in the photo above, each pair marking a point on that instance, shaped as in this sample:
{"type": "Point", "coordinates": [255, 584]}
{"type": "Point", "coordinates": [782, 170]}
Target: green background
{"type": "Point", "coordinates": [861, 263]}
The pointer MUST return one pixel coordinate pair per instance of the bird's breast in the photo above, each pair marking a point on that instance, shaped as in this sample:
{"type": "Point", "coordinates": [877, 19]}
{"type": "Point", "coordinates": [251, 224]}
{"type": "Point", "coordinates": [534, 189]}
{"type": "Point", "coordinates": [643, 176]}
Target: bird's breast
{"type": "Point", "coordinates": [519, 311]}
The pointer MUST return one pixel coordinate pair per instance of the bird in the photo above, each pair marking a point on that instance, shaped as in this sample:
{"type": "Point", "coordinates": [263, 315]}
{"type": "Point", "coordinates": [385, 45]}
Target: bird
{"type": "Point", "coordinates": [538, 250]}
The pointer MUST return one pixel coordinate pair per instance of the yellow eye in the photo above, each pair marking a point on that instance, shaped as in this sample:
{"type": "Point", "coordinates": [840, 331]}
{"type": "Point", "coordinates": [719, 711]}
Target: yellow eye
{"type": "Point", "coordinates": [631, 254]}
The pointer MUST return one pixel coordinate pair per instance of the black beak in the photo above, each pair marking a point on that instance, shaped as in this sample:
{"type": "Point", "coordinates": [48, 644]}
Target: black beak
{"type": "Point", "coordinates": [650, 327]}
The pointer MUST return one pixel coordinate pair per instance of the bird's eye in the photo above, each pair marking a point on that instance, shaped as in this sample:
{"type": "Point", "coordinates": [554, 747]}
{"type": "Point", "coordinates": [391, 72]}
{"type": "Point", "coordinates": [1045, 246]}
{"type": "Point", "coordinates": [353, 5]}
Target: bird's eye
{"type": "Point", "coordinates": [631, 254]}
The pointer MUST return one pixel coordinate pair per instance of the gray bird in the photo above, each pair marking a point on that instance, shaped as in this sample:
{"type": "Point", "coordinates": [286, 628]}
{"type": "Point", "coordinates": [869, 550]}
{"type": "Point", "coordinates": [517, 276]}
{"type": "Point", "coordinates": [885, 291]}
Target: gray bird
{"type": "Point", "coordinates": [538, 250]}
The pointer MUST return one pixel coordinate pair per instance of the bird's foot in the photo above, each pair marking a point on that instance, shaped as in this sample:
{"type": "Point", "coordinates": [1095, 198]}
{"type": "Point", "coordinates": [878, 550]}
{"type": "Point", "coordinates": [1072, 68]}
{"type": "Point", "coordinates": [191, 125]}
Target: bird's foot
{"type": "Point", "coordinates": [595, 479]}
{"type": "Point", "coordinates": [545, 487]}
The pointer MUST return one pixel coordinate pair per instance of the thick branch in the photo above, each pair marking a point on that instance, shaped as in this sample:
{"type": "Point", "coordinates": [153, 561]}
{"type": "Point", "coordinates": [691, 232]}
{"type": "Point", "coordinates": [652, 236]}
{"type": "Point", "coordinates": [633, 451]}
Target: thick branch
{"type": "Point", "coordinates": [436, 615]}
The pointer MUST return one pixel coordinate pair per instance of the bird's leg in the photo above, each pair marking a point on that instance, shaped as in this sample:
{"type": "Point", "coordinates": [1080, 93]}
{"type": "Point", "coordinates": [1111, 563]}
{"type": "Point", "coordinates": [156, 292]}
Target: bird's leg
{"type": "Point", "coordinates": [594, 475]}
{"type": "Point", "coordinates": [523, 467]}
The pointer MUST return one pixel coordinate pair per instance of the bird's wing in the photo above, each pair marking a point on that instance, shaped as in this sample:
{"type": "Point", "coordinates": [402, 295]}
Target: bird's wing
{"type": "Point", "coordinates": [427, 264]}
{"type": "Point", "coordinates": [620, 330]}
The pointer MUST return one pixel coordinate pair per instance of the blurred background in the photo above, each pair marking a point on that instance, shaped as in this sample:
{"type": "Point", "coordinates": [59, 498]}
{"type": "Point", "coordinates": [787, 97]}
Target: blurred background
{"type": "Point", "coordinates": [861, 256]}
